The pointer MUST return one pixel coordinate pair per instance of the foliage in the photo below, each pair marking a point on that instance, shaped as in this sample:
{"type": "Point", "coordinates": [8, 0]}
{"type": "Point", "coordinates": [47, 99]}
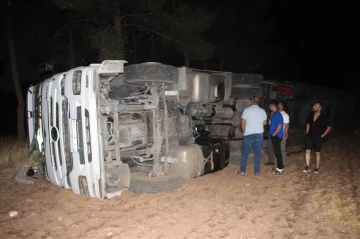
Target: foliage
{"type": "Point", "coordinates": [187, 25]}
{"type": "Point", "coordinates": [172, 22]}
{"type": "Point", "coordinates": [160, 29]}
{"type": "Point", "coordinates": [242, 36]}
{"type": "Point", "coordinates": [13, 152]}
{"type": "Point", "coordinates": [109, 44]}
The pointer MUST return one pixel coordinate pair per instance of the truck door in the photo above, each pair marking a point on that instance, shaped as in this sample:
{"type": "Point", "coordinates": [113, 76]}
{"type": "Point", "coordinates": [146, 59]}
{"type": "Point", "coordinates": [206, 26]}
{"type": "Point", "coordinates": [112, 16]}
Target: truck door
{"type": "Point", "coordinates": [31, 94]}
{"type": "Point", "coordinates": [34, 115]}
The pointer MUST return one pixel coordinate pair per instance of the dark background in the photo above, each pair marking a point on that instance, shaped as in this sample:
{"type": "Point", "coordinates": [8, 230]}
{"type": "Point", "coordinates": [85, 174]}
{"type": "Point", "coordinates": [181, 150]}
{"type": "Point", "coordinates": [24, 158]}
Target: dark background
{"type": "Point", "coordinates": [283, 40]}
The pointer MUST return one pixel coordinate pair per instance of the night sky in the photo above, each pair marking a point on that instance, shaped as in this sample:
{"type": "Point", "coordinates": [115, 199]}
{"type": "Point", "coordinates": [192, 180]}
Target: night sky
{"type": "Point", "coordinates": [313, 42]}
{"type": "Point", "coordinates": [322, 37]}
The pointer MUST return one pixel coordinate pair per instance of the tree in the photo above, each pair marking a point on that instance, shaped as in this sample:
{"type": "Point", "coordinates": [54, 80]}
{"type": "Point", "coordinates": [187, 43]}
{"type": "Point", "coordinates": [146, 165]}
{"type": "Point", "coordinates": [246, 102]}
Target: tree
{"type": "Point", "coordinates": [240, 34]}
{"type": "Point", "coordinates": [15, 74]}
{"type": "Point", "coordinates": [113, 25]}
{"type": "Point", "coordinates": [28, 43]}
{"type": "Point", "coordinates": [188, 26]}
{"type": "Point", "coordinates": [69, 41]}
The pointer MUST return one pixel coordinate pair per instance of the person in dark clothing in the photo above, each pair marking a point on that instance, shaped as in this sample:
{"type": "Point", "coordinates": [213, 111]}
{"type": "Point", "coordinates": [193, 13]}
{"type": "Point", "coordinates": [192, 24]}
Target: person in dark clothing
{"type": "Point", "coordinates": [269, 146]}
{"type": "Point", "coordinates": [317, 127]}
{"type": "Point", "coordinates": [276, 132]}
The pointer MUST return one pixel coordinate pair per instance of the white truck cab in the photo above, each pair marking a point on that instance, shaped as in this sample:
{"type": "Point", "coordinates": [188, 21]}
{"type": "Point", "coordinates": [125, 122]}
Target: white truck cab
{"type": "Point", "coordinates": [63, 120]}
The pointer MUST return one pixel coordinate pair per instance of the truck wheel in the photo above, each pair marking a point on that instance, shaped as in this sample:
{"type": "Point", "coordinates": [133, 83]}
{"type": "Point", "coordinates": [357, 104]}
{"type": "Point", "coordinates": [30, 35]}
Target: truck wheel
{"type": "Point", "coordinates": [150, 72]}
{"type": "Point", "coordinates": [140, 182]}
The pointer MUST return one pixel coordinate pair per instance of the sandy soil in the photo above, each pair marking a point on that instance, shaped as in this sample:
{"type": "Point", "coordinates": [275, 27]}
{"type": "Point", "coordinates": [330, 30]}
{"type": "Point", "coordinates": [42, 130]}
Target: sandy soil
{"type": "Point", "coordinates": [222, 205]}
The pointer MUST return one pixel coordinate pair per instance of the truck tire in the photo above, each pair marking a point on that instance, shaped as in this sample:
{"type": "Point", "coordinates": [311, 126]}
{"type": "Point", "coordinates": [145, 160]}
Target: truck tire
{"type": "Point", "coordinates": [150, 72]}
{"type": "Point", "coordinates": [140, 182]}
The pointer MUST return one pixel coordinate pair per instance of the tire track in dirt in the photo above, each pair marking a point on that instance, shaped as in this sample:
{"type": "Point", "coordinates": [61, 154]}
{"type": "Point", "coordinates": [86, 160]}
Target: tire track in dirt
{"type": "Point", "coordinates": [305, 202]}
{"type": "Point", "coordinates": [223, 205]}
{"type": "Point", "coordinates": [320, 195]}
{"type": "Point", "coordinates": [350, 184]}
{"type": "Point", "coordinates": [352, 166]}
{"type": "Point", "coordinates": [298, 204]}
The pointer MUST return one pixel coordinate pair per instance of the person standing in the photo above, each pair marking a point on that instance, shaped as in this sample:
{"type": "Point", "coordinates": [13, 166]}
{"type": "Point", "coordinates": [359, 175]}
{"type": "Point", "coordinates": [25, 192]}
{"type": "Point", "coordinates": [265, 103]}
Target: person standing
{"type": "Point", "coordinates": [276, 132]}
{"type": "Point", "coordinates": [286, 118]}
{"type": "Point", "coordinates": [269, 146]}
{"type": "Point", "coordinates": [252, 125]}
{"type": "Point", "coordinates": [317, 127]}
{"type": "Point", "coordinates": [270, 149]}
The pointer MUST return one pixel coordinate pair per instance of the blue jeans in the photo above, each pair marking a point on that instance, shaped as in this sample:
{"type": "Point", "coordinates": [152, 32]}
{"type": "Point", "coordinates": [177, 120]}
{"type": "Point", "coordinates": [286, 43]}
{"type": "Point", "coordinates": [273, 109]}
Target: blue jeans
{"type": "Point", "coordinates": [255, 142]}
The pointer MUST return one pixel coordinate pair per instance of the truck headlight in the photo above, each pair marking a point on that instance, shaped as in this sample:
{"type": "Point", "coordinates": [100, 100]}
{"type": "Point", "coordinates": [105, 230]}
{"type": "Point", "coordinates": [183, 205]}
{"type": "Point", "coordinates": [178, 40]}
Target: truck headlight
{"type": "Point", "coordinates": [76, 82]}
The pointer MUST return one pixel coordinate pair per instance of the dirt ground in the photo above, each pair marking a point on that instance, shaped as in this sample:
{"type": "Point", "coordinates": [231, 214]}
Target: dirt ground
{"type": "Point", "coordinates": [221, 205]}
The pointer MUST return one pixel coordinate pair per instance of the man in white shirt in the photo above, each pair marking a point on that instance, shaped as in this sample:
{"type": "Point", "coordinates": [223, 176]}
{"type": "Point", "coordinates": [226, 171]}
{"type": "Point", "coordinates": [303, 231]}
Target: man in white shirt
{"type": "Point", "coordinates": [252, 125]}
{"type": "Point", "coordinates": [286, 117]}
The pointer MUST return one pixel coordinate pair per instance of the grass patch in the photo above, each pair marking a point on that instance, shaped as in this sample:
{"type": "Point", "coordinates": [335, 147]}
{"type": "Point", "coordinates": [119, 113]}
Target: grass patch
{"type": "Point", "coordinates": [13, 152]}
{"type": "Point", "coordinates": [344, 209]}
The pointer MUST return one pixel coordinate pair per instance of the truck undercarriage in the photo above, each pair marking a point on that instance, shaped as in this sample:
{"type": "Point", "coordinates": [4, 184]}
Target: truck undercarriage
{"type": "Point", "coordinates": [148, 118]}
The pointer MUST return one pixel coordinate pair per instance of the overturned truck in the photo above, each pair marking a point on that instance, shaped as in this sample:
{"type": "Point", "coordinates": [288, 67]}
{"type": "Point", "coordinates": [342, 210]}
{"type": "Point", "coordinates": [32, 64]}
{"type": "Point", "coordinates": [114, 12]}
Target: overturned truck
{"type": "Point", "coordinates": [105, 128]}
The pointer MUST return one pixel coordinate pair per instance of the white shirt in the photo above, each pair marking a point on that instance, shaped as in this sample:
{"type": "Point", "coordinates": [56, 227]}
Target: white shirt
{"type": "Point", "coordinates": [255, 117]}
{"type": "Point", "coordinates": [286, 118]}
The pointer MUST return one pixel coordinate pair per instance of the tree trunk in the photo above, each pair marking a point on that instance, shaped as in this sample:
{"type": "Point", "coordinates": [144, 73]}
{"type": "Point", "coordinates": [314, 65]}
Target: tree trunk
{"type": "Point", "coordinates": [221, 64]}
{"type": "Point", "coordinates": [117, 22]}
{"type": "Point", "coordinates": [205, 65]}
{"type": "Point", "coordinates": [187, 59]}
{"type": "Point", "coordinates": [15, 78]}
{"type": "Point", "coordinates": [134, 48]}
{"type": "Point", "coordinates": [72, 57]}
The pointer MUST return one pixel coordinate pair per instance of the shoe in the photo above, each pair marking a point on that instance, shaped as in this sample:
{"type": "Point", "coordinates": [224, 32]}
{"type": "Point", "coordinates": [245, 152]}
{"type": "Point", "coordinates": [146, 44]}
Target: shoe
{"type": "Point", "coordinates": [273, 169]}
{"type": "Point", "coordinates": [241, 173]}
{"type": "Point", "coordinates": [257, 174]}
{"type": "Point", "coordinates": [316, 171]}
{"type": "Point", "coordinates": [307, 169]}
{"type": "Point", "coordinates": [269, 163]}
{"type": "Point", "coordinates": [278, 171]}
